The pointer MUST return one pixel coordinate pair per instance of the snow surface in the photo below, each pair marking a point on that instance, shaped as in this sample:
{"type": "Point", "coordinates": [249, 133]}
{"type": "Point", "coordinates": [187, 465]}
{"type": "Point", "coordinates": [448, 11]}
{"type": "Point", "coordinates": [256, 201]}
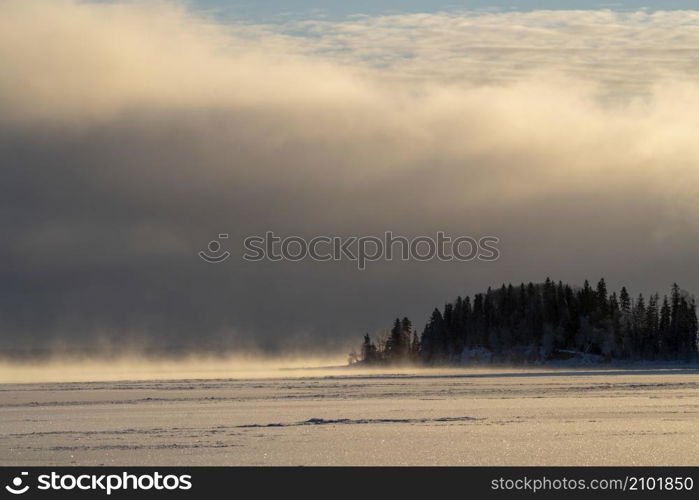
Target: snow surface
{"type": "Point", "coordinates": [470, 417]}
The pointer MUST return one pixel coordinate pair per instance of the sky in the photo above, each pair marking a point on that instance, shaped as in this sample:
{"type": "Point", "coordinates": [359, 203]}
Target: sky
{"type": "Point", "coordinates": [276, 10]}
{"type": "Point", "coordinates": [133, 133]}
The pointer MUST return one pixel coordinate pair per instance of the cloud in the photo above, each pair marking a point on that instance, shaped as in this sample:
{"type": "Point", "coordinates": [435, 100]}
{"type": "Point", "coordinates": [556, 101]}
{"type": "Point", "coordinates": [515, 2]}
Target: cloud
{"type": "Point", "coordinates": [616, 48]}
{"type": "Point", "coordinates": [133, 133]}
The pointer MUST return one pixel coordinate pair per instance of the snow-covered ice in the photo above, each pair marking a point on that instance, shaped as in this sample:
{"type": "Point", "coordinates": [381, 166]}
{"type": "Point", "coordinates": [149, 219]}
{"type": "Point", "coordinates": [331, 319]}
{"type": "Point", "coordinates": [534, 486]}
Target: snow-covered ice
{"type": "Point", "coordinates": [471, 417]}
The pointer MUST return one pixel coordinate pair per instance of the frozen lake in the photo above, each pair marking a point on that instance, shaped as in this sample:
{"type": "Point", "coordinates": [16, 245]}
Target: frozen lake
{"type": "Point", "coordinates": [465, 417]}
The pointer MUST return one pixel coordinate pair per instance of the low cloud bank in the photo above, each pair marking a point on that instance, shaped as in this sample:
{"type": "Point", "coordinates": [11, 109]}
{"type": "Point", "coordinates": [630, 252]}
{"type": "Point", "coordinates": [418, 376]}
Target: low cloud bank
{"type": "Point", "coordinates": [131, 134]}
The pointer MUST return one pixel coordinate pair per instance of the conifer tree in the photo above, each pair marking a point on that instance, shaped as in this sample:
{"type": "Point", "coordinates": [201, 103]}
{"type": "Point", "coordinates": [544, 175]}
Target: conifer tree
{"type": "Point", "coordinates": [513, 322]}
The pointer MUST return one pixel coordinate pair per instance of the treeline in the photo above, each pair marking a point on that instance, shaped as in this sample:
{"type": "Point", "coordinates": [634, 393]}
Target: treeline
{"type": "Point", "coordinates": [539, 322]}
